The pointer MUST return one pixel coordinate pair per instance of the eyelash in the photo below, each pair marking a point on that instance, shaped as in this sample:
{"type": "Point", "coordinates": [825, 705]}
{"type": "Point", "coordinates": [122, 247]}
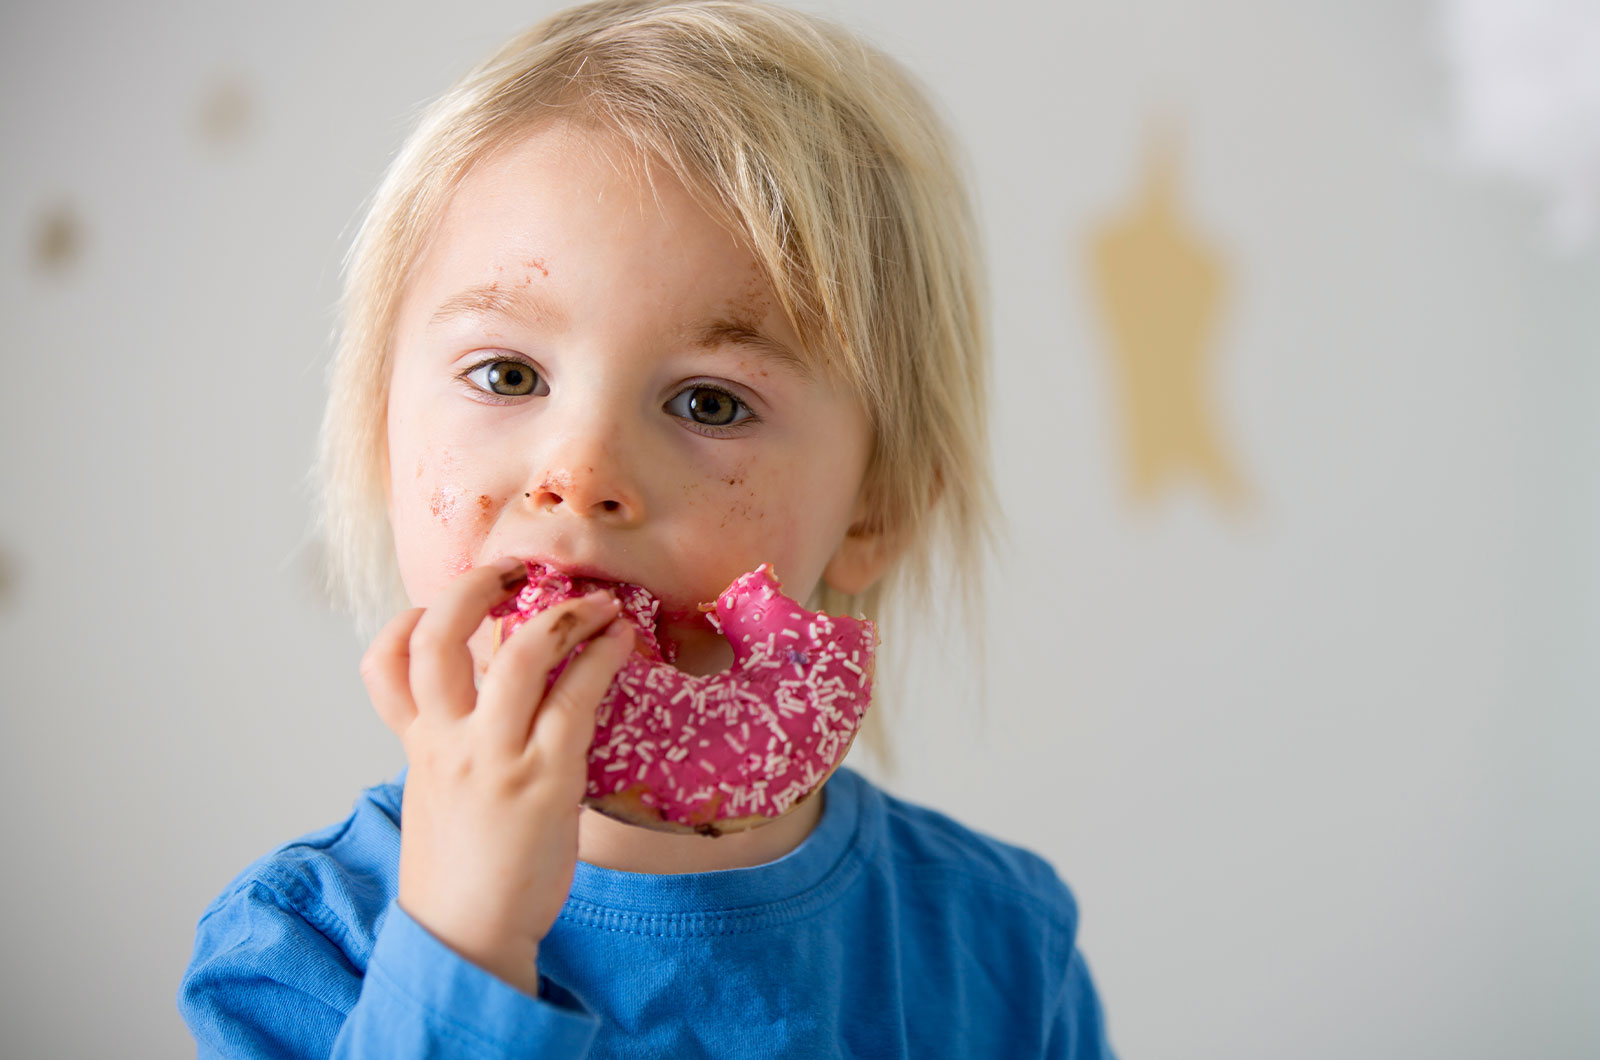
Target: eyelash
{"type": "Point", "coordinates": [708, 429]}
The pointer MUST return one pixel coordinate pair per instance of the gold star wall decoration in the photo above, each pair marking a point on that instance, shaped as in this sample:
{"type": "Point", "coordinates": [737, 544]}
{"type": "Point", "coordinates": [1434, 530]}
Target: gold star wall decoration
{"type": "Point", "coordinates": [58, 239]}
{"type": "Point", "coordinates": [1160, 289]}
{"type": "Point", "coordinates": [226, 114]}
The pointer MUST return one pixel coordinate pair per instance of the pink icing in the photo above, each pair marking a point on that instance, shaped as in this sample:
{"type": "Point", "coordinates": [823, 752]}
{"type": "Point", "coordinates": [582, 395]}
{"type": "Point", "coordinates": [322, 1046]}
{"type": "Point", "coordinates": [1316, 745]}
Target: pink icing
{"type": "Point", "coordinates": [752, 740]}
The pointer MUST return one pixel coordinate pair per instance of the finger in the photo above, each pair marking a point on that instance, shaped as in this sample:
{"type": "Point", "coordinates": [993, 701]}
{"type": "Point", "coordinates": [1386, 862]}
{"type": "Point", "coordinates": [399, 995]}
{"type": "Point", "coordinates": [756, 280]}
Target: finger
{"type": "Point", "coordinates": [386, 671]}
{"type": "Point", "coordinates": [441, 664]}
{"type": "Point", "coordinates": [563, 727]}
{"type": "Point", "coordinates": [515, 681]}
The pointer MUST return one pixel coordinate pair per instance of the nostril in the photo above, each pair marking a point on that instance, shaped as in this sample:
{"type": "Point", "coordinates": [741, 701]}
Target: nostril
{"type": "Point", "coordinates": [544, 499]}
{"type": "Point", "coordinates": [610, 506]}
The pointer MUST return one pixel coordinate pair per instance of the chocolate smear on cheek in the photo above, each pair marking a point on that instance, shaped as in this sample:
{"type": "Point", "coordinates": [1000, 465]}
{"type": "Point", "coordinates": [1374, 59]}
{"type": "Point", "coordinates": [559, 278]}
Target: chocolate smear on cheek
{"type": "Point", "coordinates": [443, 504]}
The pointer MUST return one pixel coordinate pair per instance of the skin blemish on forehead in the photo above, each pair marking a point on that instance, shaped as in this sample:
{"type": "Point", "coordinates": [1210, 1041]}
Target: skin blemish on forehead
{"type": "Point", "coordinates": [538, 263]}
{"type": "Point", "coordinates": [745, 322]}
{"type": "Point", "coordinates": [750, 307]}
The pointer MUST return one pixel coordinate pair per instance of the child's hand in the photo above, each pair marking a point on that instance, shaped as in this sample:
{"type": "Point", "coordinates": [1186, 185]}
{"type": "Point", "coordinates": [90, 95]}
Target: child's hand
{"type": "Point", "coordinates": [489, 841]}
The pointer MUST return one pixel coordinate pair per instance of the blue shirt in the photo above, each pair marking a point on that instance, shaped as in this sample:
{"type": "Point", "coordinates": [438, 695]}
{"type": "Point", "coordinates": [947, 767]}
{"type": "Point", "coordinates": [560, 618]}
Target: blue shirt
{"type": "Point", "coordinates": [892, 931]}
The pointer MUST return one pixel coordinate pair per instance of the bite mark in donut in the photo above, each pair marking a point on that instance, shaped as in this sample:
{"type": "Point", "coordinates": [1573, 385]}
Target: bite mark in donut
{"type": "Point", "coordinates": [720, 752]}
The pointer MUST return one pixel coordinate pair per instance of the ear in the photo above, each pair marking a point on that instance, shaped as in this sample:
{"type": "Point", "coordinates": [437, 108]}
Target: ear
{"type": "Point", "coordinates": [861, 558]}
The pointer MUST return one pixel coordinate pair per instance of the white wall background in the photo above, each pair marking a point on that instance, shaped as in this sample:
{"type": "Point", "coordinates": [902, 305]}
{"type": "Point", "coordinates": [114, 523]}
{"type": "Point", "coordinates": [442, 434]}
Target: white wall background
{"type": "Point", "coordinates": [1322, 774]}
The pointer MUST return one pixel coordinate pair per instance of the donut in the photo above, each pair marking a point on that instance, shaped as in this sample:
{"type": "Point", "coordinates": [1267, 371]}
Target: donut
{"type": "Point", "coordinates": [721, 752]}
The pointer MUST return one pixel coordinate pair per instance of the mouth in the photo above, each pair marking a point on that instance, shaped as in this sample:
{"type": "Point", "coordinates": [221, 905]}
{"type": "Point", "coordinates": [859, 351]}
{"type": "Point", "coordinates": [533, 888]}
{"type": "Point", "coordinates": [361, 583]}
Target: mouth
{"type": "Point", "coordinates": [549, 584]}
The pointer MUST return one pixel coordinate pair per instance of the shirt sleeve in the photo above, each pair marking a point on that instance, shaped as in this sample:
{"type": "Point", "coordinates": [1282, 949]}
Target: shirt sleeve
{"type": "Point", "coordinates": [1078, 1031]}
{"type": "Point", "coordinates": [266, 981]}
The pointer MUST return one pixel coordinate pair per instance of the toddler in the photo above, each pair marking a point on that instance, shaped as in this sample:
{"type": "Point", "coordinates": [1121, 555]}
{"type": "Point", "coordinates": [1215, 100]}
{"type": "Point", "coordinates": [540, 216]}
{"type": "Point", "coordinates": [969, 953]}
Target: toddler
{"type": "Point", "coordinates": [657, 294]}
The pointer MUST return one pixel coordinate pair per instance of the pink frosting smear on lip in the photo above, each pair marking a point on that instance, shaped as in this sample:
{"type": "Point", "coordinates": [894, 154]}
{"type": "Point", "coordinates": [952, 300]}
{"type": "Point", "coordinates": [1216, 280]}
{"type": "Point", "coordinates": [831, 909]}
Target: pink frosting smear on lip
{"type": "Point", "coordinates": [751, 741]}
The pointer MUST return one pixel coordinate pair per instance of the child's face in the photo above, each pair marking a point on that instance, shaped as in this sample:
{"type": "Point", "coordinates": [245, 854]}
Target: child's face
{"type": "Point", "coordinates": [586, 373]}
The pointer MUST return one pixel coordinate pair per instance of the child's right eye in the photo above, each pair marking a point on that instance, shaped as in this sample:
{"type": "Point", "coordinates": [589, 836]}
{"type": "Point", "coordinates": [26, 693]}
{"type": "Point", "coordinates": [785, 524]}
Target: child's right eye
{"type": "Point", "coordinates": [506, 378]}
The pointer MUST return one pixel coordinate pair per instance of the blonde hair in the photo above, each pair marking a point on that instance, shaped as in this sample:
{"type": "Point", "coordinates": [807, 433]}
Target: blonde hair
{"type": "Point", "coordinates": [822, 152]}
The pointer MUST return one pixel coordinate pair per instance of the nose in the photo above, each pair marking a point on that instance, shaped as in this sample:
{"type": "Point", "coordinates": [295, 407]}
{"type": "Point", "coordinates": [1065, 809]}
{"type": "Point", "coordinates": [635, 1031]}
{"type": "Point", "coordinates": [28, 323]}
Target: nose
{"type": "Point", "coordinates": [592, 484]}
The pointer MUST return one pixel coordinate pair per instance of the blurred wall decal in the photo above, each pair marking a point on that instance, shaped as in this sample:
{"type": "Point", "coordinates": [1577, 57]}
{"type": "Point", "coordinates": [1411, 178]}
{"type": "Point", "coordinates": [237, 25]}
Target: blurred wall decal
{"type": "Point", "coordinates": [226, 113]}
{"type": "Point", "coordinates": [1160, 289]}
{"type": "Point", "coordinates": [1526, 90]}
{"type": "Point", "coordinates": [58, 239]}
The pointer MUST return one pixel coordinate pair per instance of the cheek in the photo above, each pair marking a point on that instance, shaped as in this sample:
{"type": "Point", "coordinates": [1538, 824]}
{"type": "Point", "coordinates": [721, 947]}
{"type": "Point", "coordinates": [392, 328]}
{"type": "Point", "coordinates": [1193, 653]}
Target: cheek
{"type": "Point", "coordinates": [734, 497]}
{"type": "Point", "coordinates": [439, 522]}
{"type": "Point", "coordinates": [742, 506]}
{"type": "Point", "coordinates": [757, 515]}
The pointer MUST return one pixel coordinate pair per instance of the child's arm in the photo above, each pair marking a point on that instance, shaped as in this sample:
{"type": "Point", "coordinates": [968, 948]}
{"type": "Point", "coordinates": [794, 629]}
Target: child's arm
{"type": "Point", "coordinates": [487, 853]}
{"type": "Point", "coordinates": [489, 843]}
{"type": "Point", "coordinates": [278, 975]}
{"type": "Point", "coordinates": [1078, 1028]}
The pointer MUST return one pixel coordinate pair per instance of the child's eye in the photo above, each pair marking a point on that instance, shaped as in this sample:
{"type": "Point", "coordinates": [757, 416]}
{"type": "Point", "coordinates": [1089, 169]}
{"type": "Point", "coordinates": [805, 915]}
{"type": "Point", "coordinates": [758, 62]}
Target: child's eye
{"type": "Point", "coordinates": [709, 406]}
{"type": "Point", "coordinates": [506, 378]}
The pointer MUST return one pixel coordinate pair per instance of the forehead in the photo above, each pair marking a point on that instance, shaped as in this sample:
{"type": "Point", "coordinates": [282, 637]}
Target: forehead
{"type": "Point", "coordinates": [564, 224]}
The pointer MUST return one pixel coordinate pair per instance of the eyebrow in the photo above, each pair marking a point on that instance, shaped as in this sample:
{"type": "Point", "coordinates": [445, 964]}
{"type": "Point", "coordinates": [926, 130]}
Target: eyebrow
{"type": "Point", "coordinates": [719, 333]}
{"type": "Point", "coordinates": [522, 304]}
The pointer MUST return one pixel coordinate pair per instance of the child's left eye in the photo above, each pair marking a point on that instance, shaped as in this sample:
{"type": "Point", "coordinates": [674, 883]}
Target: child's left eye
{"type": "Point", "coordinates": [709, 406]}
